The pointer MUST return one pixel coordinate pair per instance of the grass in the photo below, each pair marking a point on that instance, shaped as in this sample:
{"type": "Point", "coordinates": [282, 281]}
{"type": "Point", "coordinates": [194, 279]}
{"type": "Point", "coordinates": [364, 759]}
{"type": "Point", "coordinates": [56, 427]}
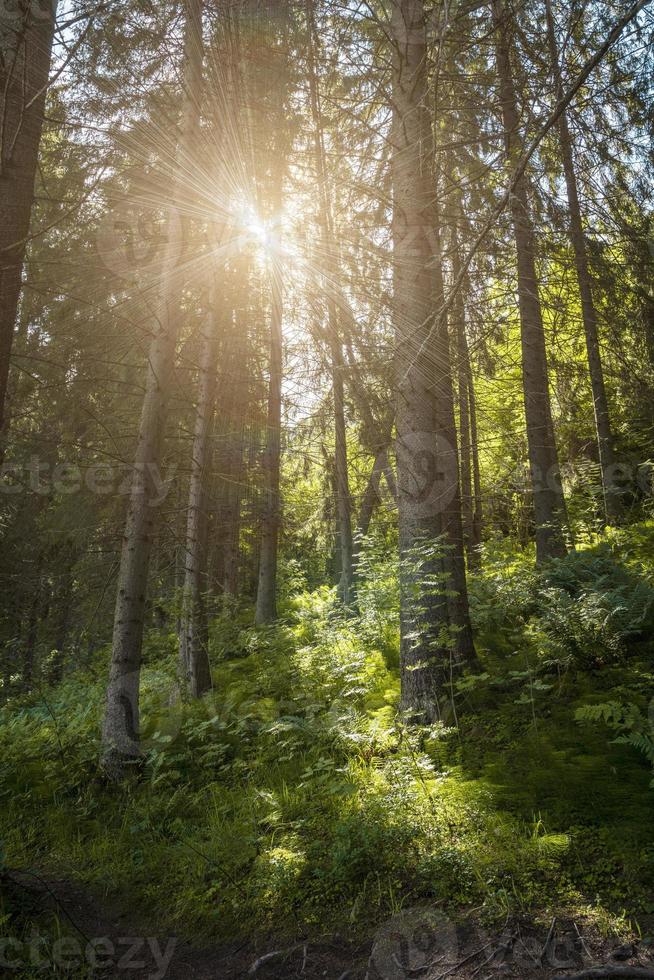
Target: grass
{"type": "Point", "coordinates": [292, 799]}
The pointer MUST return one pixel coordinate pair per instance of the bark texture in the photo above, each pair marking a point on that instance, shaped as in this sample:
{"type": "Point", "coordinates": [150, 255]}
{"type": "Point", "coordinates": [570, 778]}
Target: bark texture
{"type": "Point", "coordinates": [266, 605]}
{"type": "Point", "coordinates": [549, 504]}
{"type": "Point", "coordinates": [469, 452]}
{"type": "Point", "coordinates": [605, 441]}
{"type": "Point", "coordinates": [343, 498]}
{"type": "Point", "coordinates": [435, 634]}
{"type": "Point", "coordinates": [194, 631]}
{"type": "Point", "coordinates": [26, 35]}
{"type": "Point", "coordinates": [121, 722]}
{"type": "Point", "coordinates": [231, 411]}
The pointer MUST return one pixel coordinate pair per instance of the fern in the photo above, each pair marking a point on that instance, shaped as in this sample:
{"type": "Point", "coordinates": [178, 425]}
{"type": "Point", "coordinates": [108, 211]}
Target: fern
{"type": "Point", "coordinates": [628, 720]}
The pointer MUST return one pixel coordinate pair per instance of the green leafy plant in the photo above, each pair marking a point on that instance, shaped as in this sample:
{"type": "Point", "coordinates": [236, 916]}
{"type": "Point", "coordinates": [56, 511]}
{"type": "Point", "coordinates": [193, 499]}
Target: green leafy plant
{"type": "Point", "coordinates": [633, 727]}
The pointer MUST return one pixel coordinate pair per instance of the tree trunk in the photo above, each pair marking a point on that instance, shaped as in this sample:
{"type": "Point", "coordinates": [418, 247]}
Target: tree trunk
{"type": "Point", "coordinates": [231, 412]}
{"type": "Point", "coordinates": [549, 504]}
{"type": "Point", "coordinates": [427, 467]}
{"type": "Point", "coordinates": [64, 609]}
{"type": "Point", "coordinates": [454, 566]}
{"type": "Point", "coordinates": [477, 513]}
{"type": "Point", "coordinates": [121, 722]}
{"type": "Point", "coordinates": [26, 35]}
{"type": "Point", "coordinates": [370, 500]}
{"type": "Point", "coordinates": [194, 633]}
{"type": "Point", "coordinates": [228, 505]}
{"type": "Point", "coordinates": [470, 477]}
{"type": "Point", "coordinates": [463, 364]}
{"type": "Point", "coordinates": [605, 442]}
{"type": "Point", "coordinates": [266, 605]}
{"type": "Point", "coordinates": [343, 498]}
{"type": "Point", "coordinates": [32, 630]}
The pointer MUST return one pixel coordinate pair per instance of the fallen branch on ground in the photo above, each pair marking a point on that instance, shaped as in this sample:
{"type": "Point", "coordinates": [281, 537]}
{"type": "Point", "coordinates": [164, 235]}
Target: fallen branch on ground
{"type": "Point", "coordinates": [599, 972]}
{"type": "Point", "coordinates": [275, 953]}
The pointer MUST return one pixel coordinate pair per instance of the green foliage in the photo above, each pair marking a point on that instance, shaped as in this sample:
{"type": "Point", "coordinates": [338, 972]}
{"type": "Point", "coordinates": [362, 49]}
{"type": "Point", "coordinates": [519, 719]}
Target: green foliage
{"type": "Point", "coordinates": [628, 720]}
{"type": "Point", "coordinates": [290, 797]}
{"type": "Point", "coordinates": [580, 611]}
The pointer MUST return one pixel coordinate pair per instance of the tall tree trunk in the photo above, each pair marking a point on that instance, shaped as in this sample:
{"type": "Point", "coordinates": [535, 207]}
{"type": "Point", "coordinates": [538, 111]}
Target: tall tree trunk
{"type": "Point", "coordinates": [454, 566]}
{"type": "Point", "coordinates": [470, 475]}
{"type": "Point", "coordinates": [229, 488]}
{"type": "Point", "coordinates": [605, 442]}
{"type": "Point", "coordinates": [549, 504]}
{"type": "Point", "coordinates": [26, 34]}
{"type": "Point", "coordinates": [231, 412]}
{"type": "Point", "coordinates": [477, 512]}
{"type": "Point", "coordinates": [458, 315]}
{"type": "Point", "coordinates": [121, 721]}
{"type": "Point", "coordinates": [343, 498]}
{"type": "Point", "coordinates": [266, 605]}
{"type": "Point", "coordinates": [427, 466]}
{"type": "Point", "coordinates": [194, 632]}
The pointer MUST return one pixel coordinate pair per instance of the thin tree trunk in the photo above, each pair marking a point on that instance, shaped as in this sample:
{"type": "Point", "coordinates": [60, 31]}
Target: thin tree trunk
{"type": "Point", "coordinates": [231, 410]}
{"type": "Point", "coordinates": [605, 441]}
{"type": "Point", "coordinates": [470, 475]}
{"type": "Point", "coordinates": [121, 722]}
{"type": "Point", "coordinates": [27, 34]}
{"type": "Point", "coordinates": [194, 632]}
{"type": "Point", "coordinates": [370, 500]}
{"type": "Point", "coordinates": [266, 605]}
{"type": "Point", "coordinates": [458, 312]}
{"type": "Point", "coordinates": [64, 609]}
{"type": "Point", "coordinates": [454, 566]}
{"type": "Point", "coordinates": [477, 513]}
{"type": "Point", "coordinates": [549, 504]}
{"type": "Point", "coordinates": [227, 512]}
{"type": "Point", "coordinates": [32, 631]}
{"type": "Point", "coordinates": [343, 498]}
{"type": "Point", "coordinates": [427, 467]}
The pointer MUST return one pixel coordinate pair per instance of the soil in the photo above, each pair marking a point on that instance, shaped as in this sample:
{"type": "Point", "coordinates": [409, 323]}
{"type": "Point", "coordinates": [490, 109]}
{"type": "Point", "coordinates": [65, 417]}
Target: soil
{"type": "Point", "coordinates": [418, 943]}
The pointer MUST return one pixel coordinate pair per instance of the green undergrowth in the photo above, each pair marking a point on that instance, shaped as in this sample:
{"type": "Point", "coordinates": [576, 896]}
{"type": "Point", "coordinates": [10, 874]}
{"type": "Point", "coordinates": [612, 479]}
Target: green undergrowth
{"type": "Point", "coordinates": [292, 798]}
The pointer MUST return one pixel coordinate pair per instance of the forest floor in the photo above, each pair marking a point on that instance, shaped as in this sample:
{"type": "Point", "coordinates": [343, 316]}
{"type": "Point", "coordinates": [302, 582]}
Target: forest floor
{"type": "Point", "coordinates": [290, 825]}
{"type": "Point", "coordinates": [121, 944]}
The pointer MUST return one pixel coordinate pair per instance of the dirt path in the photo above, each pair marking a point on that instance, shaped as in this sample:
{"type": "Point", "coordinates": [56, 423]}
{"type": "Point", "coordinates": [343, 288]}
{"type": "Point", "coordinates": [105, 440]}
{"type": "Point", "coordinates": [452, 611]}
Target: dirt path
{"type": "Point", "coordinates": [419, 943]}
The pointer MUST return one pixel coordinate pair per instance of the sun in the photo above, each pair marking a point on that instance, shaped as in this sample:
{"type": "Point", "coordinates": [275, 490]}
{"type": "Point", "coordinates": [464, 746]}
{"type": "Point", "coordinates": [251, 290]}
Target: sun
{"type": "Point", "coordinates": [259, 230]}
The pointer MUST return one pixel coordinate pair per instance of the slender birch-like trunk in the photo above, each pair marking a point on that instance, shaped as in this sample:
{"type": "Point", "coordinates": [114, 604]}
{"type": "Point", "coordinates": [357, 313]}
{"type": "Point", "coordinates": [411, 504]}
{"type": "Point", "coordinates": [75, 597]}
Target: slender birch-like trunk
{"type": "Point", "coordinates": [549, 504]}
{"type": "Point", "coordinates": [26, 36]}
{"type": "Point", "coordinates": [605, 441]}
{"type": "Point", "coordinates": [121, 722]}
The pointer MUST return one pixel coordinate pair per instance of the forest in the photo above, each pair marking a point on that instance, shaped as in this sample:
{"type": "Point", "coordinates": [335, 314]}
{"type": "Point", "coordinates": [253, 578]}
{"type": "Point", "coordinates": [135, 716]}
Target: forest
{"type": "Point", "coordinates": [327, 489]}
